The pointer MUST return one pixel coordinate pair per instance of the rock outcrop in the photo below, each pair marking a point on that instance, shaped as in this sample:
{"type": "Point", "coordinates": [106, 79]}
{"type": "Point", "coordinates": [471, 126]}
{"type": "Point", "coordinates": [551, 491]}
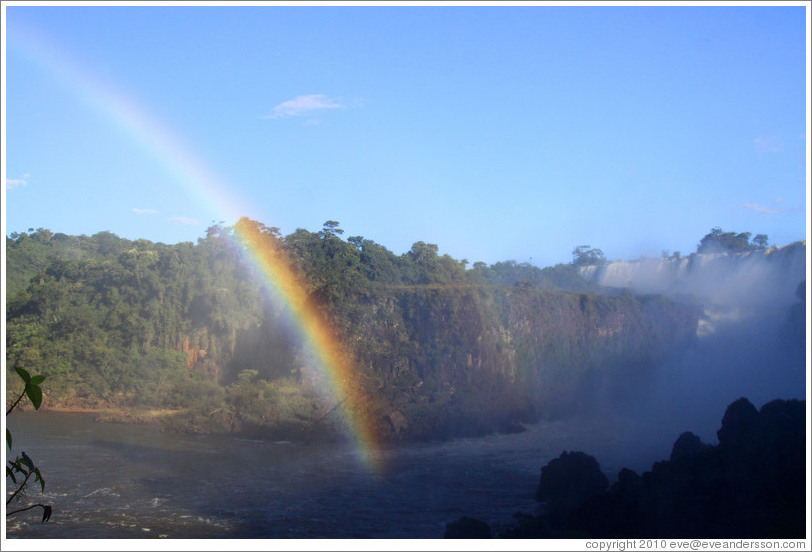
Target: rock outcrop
{"type": "Point", "coordinates": [467, 528]}
{"type": "Point", "coordinates": [751, 485]}
{"type": "Point", "coordinates": [568, 481]}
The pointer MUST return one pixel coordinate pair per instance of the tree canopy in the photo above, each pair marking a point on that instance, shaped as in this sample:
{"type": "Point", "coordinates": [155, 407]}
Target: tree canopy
{"type": "Point", "coordinates": [719, 241]}
{"type": "Point", "coordinates": [585, 255]}
{"type": "Point", "coordinates": [192, 328]}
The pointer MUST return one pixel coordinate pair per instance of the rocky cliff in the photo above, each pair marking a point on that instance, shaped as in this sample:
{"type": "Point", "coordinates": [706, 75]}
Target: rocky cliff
{"type": "Point", "coordinates": [465, 360]}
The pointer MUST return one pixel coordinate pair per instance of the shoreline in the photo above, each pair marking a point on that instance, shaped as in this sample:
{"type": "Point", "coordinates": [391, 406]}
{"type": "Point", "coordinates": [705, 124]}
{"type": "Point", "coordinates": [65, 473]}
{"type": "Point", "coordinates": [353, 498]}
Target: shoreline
{"type": "Point", "coordinates": [78, 410]}
{"type": "Point", "coordinates": [114, 414]}
{"type": "Point", "coordinates": [186, 422]}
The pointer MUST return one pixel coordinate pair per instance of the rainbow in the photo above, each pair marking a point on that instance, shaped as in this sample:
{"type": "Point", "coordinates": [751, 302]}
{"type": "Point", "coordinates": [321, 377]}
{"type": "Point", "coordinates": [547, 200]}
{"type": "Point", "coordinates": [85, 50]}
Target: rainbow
{"type": "Point", "coordinates": [259, 248]}
{"type": "Point", "coordinates": [262, 249]}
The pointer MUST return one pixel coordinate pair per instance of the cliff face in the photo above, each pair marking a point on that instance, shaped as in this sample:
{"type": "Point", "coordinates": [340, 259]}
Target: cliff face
{"type": "Point", "coordinates": [438, 351]}
{"type": "Point", "coordinates": [468, 360]}
{"type": "Point", "coordinates": [439, 361]}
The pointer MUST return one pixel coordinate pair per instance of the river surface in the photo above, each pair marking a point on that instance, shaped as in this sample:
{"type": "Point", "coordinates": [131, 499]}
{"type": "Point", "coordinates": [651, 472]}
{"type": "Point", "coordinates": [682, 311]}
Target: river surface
{"type": "Point", "coordinates": [109, 480]}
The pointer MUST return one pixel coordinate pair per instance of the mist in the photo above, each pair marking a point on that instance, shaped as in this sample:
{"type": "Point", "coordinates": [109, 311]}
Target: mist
{"type": "Point", "coordinates": [762, 279]}
{"type": "Point", "coordinates": [750, 339]}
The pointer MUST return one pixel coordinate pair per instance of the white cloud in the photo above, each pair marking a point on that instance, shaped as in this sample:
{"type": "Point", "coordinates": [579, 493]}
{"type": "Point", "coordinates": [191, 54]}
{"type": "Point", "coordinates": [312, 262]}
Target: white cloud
{"type": "Point", "coordinates": [185, 220]}
{"type": "Point", "coordinates": [761, 209]}
{"type": "Point", "coordinates": [12, 183]}
{"type": "Point", "coordinates": [138, 211]}
{"type": "Point", "coordinates": [304, 105]}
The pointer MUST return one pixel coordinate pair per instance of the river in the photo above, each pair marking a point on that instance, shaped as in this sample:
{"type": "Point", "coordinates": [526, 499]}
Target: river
{"type": "Point", "coordinates": [109, 480]}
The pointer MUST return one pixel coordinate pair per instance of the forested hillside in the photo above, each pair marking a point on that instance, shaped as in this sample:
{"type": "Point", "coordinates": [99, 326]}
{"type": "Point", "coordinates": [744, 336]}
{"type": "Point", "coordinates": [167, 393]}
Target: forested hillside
{"type": "Point", "coordinates": [439, 348]}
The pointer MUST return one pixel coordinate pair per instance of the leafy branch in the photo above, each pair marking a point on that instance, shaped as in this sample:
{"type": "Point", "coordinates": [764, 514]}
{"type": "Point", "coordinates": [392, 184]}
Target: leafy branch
{"type": "Point", "coordinates": [22, 468]}
{"type": "Point", "coordinates": [32, 390]}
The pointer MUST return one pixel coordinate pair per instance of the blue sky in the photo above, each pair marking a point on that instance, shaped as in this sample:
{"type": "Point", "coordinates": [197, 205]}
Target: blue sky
{"type": "Point", "coordinates": [495, 132]}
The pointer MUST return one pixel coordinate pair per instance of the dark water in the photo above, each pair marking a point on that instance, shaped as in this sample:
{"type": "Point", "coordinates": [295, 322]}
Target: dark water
{"type": "Point", "coordinates": [127, 481]}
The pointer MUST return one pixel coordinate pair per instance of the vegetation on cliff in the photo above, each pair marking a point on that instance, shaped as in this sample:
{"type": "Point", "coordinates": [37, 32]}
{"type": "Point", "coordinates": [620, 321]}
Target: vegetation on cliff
{"type": "Point", "coordinates": [441, 349]}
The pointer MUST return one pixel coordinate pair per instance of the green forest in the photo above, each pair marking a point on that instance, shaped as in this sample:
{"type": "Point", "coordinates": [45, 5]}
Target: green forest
{"type": "Point", "coordinates": [186, 335]}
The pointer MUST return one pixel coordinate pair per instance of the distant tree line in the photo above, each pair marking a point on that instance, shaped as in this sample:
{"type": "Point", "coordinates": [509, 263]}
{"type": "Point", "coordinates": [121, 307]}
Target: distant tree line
{"type": "Point", "coordinates": [715, 242]}
{"type": "Point", "coordinates": [585, 255]}
{"type": "Point", "coordinates": [190, 328]}
{"type": "Point", "coordinates": [719, 241]}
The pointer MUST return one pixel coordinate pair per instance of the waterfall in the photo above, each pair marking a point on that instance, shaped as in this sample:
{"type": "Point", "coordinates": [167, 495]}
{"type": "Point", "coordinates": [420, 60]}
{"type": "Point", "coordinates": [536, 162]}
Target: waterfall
{"type": "Point", "coordinates": [730, 287]}
{"type": "Point", "coordinates": [757, 278]}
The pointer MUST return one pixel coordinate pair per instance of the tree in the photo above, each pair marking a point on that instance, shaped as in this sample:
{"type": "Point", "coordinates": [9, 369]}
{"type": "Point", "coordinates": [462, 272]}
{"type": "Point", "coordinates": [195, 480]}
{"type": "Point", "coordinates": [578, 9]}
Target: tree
{"type": "Point", "coordinates": [357, 242]}
{"type": "Point", "coordinates": [424, 262]}
{"type": "Point", "coordinates": [22, 466]}
{"type": "Point", "coordinates": [331, 229]}
{"type": "Point", "coordinates": [760, 241]}
{"type": "Point", "coordinates": [378, 264]}
{"type": "Point", "coordinates": [585, 255]}
{"type": "Point", "coordinates": [718, 241]}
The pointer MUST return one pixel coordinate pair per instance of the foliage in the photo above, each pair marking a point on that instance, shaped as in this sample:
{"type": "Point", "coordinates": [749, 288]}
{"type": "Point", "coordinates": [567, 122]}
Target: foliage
{"type": "Point", "coordinates": [192, 328]}
{"type": "Point", "coordinates": [584, 255]}
{"type": "Point", "coordinates": [510, 273]}
{"type": "Point", "coordinates": [718, 241]}
{"type": "Point", "coordinates": [22, 468]}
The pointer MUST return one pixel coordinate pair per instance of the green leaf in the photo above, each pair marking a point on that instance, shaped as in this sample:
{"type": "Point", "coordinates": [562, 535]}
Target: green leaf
{"type": "Point", "coordinates": [46, 513]}
{"type": "Point", "coordinates": [38, 477]}
{"type": "Point", "coordinates": [8, 438]}
{"type": "Point", "coordinates": [23, 374]}
{"type": "Point", "coordinates": [28, 462]}
{"type": "Point", "coordinates": [38, 379]}
{"type": "Point", "coordinates": [34, 394]}
{"type": "Point", "coordinates": [10, 473]}
{"type": "Point", "coordinates": [17, 466]}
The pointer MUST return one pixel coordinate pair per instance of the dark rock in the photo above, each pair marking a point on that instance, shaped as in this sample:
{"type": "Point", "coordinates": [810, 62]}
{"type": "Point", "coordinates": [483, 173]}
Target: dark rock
{"type": "Point", "coordinates": [687, 446]}
{"type": "Point", "coordinates": [626, 479]}
{"type": "Point", "coordinates": [617, 513]}
{"type": "Point", "coordinates": [568, 481]}
{"type": "Point", "coordinates": [737, 423]}
{"type": "Point", "coordinates": [467, 528]}
{"type": "Point", "coordinates": [782, 423]}
{"type": "Point", "coordinates": [775, 494]}
{"type": "Point", "coordinates": [397, 422]}
{"type": "Point", "coordinates": [752, 485]}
